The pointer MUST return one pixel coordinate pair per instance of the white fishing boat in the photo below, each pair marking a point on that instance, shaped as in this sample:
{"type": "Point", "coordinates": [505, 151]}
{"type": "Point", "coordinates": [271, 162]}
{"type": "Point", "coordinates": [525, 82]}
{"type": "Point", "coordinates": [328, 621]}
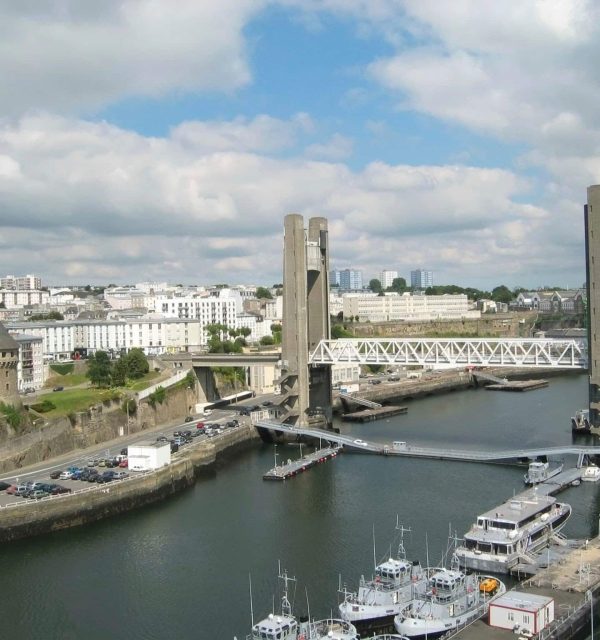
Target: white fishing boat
{"type": "Point", "coordinates": [541, 471]}
{"type": "Point", "coordinates": [591, 473]}
{"type": "Point", "coordinates": [452, 600]}
{"type": "Point", "coordinates": [504, 536]}
{"type": "Point", "coordinates": [394, 583]}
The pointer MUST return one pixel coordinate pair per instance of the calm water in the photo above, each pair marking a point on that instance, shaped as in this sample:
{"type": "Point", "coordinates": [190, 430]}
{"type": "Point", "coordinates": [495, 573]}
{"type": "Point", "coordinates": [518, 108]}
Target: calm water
{"type": "Point", "coordinates": [180, 569]}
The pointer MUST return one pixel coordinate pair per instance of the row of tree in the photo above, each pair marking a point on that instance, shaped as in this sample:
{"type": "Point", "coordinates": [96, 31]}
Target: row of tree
{"type": "Point", "coordinates": [104, 372]}
{"type": "Point", "coordinates": [500, 293]}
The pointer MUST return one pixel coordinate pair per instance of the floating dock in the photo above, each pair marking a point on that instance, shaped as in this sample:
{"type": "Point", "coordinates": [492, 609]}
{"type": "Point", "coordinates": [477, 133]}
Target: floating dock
{"type": "Point", "coordinates": [518, 385]}
{"type": "Point", "coordinates": [294, 467]}
{"type": "Point", "coordinates": [370, 415]}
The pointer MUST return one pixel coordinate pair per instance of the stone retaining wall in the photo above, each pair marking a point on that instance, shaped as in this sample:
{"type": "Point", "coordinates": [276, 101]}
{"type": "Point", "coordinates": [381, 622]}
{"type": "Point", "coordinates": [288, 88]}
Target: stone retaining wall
{"type": "Point", "coordinates": [102, 501]}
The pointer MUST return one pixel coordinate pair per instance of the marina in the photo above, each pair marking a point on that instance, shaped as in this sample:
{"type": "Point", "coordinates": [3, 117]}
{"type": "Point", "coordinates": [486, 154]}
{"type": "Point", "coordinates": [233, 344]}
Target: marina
{"type": "Point", "coordinates": [291, 468]}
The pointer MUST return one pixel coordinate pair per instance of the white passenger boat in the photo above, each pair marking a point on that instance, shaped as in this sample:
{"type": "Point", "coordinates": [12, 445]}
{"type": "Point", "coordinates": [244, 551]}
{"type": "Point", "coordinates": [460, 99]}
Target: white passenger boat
{"type": "Point", "coordinates": [541, 471]}
{"type": "Point", "coordinates": [285, 626]}
{"type": "Point", "coordinates": [591, 473]}
{"type": "Point", "coordinates": [395, 582]}
{"type": "Point", "coordinates": [507, 534]}
{"type": "Point", "coordinates": [452, 600]}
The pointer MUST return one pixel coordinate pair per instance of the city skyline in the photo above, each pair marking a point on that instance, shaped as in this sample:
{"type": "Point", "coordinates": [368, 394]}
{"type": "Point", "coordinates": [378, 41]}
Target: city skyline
{"type": "Point", "coordinates": [145, 143]}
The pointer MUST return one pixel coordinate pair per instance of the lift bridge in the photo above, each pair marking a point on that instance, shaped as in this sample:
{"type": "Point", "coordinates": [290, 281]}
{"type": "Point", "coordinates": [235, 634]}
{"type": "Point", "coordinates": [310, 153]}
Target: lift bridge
{"type": "Point", "coordinates": [451, 353]}
{"type": "Point", "coordinates": [403, 449]}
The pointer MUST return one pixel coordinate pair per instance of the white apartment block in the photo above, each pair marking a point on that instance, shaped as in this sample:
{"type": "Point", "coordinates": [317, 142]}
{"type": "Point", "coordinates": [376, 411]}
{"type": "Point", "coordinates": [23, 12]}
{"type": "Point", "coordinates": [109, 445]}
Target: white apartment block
{"type": "Point", "coordinates": [17, 299]}
{"type": "Point", "coordinates": [392, 307]}
{"type": "Point", "coordinates": [30, 366]}
{"type": "Point", "coordinates": [207, 310]}
{"type": "Point", "coordinates": [386, 277]}
{"type": "Point", "coordinates": [259, 326]}
{"type": "Point", "coordinates": [21, 283]}
{"type": "Point", "coordinates": [273, 309]}
{"type": "Point", "coordinates": [154, 336]}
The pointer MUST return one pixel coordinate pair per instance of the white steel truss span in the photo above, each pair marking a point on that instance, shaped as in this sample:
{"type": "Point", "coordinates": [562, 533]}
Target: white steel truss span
{"type": "Point", "coordinates": [450, 353]}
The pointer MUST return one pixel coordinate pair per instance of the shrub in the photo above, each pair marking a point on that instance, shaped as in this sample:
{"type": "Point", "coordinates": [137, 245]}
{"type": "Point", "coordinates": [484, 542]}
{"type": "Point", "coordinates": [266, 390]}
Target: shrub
{"type": "Point", "coordinates": [129, 406]}
{"type": "Point", "coordinates": [63, 369]}
{"type": "Point", "coordinates": [157, 396]}
{"type": "Point", "coordinates": [13, 417]}
{"type": "Point", "coordinates": [43, 406]}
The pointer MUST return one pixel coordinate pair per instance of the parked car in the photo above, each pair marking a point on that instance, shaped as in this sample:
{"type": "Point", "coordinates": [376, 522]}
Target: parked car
{"type": "Point", "coordinates": [4, 486]}
{"type": "Point", "coordinates": [55, 474]}
{"type": "Point", "coordinates": [360, 443]}
{"type": "Point", "coordinates": [58, 489]}
{"type": "Point", "coordinates": [58, 389]}
{"type": "Point", "coordinates": [162, 439]}
{"type": "Point", "coordinates": [105, 476]}
{"type": "Point", "coordinates": [200, 425]}
{"type": "Point", "coordinates": [186, 434]}
{"type": "Point", "coordinates": [123, 452]}
{"type": "Point", "coordinates": [119, 475]}
{"type": "Point", "coordinates": [244, 411]}
{"type": "Point", "coordinates": [376, 381]}
{"type": "Point", "coordinates": [47, 487]}
{"type": "Point", "coordinates": [267, 403]}
{"type": "Point", "coordinates": [124, 464]}
{"type": "Point", "coordinates": [188, 419]}
{"type": "Point", "coordinates": [37, 494]}
{"type": "Point", "coordinates": [21, 491]}
{"type": "Point", "coordinates": [12, 490]}
{"type": "Point", "coordinates": [174, 447]}
{"type": "Point", "coordinates": [65, 475]}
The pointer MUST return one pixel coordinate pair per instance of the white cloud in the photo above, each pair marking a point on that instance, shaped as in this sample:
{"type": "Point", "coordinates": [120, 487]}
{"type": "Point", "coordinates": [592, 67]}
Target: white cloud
{"type": "Point", "coordinates": [92, 202]}
{"type": "Point", "coordinates": [73, 55]}
{"type": "Point", "coordinates": [338, 147]}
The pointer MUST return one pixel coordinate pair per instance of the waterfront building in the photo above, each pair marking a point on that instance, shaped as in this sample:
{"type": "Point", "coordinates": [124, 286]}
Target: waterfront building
{"type": "Point", "coordinates": [9, 358]}
{"type": "Point", "coordinates": [592, 261]}
{"type": "Point", "coordinates": [387, 277]}
{"type": "Point", "coordinates": [344, 372]}
{"type": "Point", "coordinates": [397, 307]}
{"type": "Point", "coordinates": [30, 365]}
{"type": "Point", "coordinates": [421, 279]}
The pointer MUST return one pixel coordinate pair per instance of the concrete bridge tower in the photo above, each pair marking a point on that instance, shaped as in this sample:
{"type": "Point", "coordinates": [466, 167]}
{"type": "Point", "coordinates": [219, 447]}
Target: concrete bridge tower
{"type": "Point", "coordinates": [306, 390]}
{"type": "Point", "coordinates": [592, 261]}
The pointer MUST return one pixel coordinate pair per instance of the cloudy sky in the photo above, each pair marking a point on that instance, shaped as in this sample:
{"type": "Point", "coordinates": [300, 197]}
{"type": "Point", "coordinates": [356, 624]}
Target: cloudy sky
{"type": "Point", "coordinates": [166, 139]}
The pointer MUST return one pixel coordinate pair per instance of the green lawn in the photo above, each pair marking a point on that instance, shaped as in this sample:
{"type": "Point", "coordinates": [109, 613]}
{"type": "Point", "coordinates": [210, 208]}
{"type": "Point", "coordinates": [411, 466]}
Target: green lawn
{"type": "Point", "coordinates": [148, 380]}
{"type": "Point", "coordinates": [70, 380]}
{"type": "Point", "coordinates": [72, 400]}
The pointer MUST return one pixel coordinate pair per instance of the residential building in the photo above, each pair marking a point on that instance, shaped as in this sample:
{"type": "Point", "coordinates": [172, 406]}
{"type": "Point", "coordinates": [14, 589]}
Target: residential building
{"type": "Point", "coordinates": [30, 366]}
{"type": "Point", "coordinates": [346, 279]}
{"type": "Point", "coordinates": [21, 283]}
{"type": "Point", "coordinates": [155, 336]}
{"type": "Point", "coordinates": [18, 298]}
{"type": "Point", "coordinates": [421, 279]}
{"type": "Point", "coordinates": [387, 277]}
{"type": "Point", "coordinates": [396, 307]}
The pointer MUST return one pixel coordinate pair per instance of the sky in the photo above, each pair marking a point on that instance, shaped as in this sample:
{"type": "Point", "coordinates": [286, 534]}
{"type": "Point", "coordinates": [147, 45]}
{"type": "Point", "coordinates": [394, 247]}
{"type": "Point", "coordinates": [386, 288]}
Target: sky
{"type": "Point", "coordinates": [166, 140]}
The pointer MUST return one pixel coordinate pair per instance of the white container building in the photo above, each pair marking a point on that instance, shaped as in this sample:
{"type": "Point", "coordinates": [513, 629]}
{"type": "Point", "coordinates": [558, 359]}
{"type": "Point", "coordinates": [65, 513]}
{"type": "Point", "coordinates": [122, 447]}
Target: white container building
{"type": "Point", "coordinates": [521, 612]}
{"type": "Point", "coordinates": [145, 457]}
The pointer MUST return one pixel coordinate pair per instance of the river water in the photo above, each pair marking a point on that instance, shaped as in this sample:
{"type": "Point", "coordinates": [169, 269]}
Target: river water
{"type": "Point", "coordinates": [180, 569]}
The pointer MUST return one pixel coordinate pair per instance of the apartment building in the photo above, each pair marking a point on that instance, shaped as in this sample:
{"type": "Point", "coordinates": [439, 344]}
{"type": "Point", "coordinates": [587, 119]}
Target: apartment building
{"type": "Point", "coordinates": [395, 307]}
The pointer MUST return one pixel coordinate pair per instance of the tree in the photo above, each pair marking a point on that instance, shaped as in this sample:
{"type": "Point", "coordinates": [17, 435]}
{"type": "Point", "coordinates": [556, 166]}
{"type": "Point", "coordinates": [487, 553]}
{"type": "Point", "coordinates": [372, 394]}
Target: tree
{"type": "Point", "coordinates": [375, 285]}
{"type": "Point", "coordinates": [502, 294]}
{"type": "Point", "coordinates": [267, 340]}
{"type": "Point", "coordinates": [119, 373]}
{"type": "Point", "coordinates": [99, 369]}
{"type": "Point", "coordinates": [136, 364]}
{"type": "Point", "coordinates": [398, 285]}
{"type": "Point", "coordinates": [244, 331]}
{"type": "Point", "coordinates": [262, 292]}
{"type": "Point", "coordinates": [51, 315]}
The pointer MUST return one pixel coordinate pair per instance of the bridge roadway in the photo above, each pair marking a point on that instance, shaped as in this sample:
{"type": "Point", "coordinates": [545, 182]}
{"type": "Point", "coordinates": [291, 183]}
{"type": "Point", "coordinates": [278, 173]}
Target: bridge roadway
{"type": "Point", "coordinates": [465, 455]}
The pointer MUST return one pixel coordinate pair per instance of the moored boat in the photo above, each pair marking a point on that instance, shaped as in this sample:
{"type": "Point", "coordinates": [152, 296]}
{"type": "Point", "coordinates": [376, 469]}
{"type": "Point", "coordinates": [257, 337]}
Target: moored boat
{"type": "Point", "coordinates": [394, 583]}
{"type": "Point", "coordinates": [580, 422]}
{"type": "Point", "coordinates": [591, 473]}
{"type": "Point", "coordinates": [452, 600]}
{"type": "Point", "coordinates": [541, 471]}
{"type": "Point", "coordinates": [504, 536]}
{"type": "Point", "coordinates": [285, 626]}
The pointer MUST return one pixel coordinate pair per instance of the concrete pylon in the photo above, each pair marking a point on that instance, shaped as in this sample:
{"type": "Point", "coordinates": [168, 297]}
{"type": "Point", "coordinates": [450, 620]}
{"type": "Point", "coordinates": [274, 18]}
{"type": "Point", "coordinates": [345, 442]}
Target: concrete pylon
{"type": "Point", "coordinates": [592, 263]}
{"type": "Point", "coordinates": [305, 390]}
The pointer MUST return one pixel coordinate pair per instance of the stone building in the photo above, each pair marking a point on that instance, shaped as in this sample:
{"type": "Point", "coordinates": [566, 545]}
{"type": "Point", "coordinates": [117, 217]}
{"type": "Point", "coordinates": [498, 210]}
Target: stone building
{"type": "Point", "coordinates": [9, 358]}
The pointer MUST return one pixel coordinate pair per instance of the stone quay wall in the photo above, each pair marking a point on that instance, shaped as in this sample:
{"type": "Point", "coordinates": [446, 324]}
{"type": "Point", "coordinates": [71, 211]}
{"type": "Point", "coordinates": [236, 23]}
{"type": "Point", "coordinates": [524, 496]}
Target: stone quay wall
{"type": "Point", "coordinates": [31, 518]}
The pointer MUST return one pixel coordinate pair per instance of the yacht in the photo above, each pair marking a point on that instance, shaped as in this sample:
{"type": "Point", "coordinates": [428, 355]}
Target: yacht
{"type": "Point", "coordinates": [452, 599]}
{"type": "Point", "coordinates": [285, 626]}
{"type": "Point", "coordinates": [580, 422]}
{"type": "Point", "coordinates": [591, 473]}
{"type": "Point", "coordinates": [395, 582]}
{"type": "Point", "coordinates": [541, 471]}
{"type": "Point", "coordinates": [507, 534]}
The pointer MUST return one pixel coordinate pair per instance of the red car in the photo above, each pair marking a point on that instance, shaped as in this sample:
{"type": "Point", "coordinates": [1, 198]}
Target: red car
{"type": "Point", "coordinates": [123, 464]}
{"type": "Point", "coordinates": [12, 490]}
{"type": "Point", "coordinates": [200, 425]}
